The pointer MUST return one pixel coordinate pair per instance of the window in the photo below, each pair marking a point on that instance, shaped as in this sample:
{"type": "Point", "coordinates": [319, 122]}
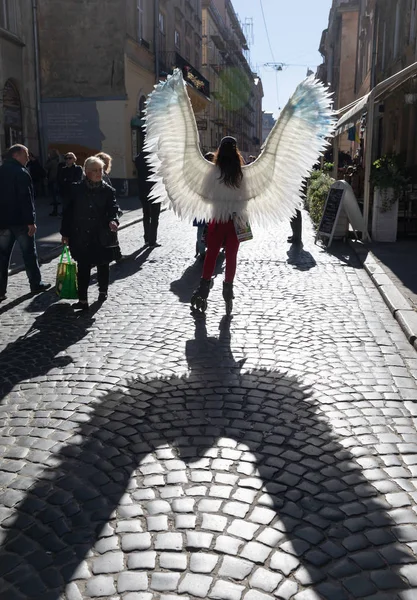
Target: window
{"type": "Point", "coordinates": [177, 39]}
{"type": "Point", "coordinates": [187, 50]}
{"type": "Point", "coordinates": [8, 16]}
{"type": "Point", "coordinates": [139, 6]}
{"type": "Point", "coordinates": [412, 34]}
{"type": "Point", "coordinates": [161, 22]}
{"type": "Point", "coordinates": [397, 29]}
{"type": "Point", "coordinates": [384, 46]}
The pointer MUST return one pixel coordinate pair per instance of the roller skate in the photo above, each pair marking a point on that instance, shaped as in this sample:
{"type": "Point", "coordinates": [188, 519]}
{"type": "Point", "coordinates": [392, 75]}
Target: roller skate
{"type": "Point", "coordinates": [199, 298]}
{"type": "Point", "coordinates": [228, 296]}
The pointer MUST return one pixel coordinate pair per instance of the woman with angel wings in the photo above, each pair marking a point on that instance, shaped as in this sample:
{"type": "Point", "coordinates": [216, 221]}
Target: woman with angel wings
{"type": "Point", "coordinates": [226, 193]}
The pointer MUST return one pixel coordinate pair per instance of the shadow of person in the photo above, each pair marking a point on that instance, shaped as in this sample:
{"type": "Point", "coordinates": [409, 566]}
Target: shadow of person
{"type": "Point", "coordinates": [255, 447]}
{"type": "Point", "coordinates": [131, 264]}
{"type": "Point", "coordinates": [38, 351]}
{"type": "Point", "coordinates": [300, 258]}
{"type": "Point", "coordinates": [189, 280]}
{"type": "Point", "coordinates": [6, 306]}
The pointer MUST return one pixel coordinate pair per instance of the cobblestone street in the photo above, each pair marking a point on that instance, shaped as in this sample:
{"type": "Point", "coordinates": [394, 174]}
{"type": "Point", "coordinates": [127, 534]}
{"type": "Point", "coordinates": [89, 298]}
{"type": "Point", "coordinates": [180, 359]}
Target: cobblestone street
{"type": "Point", "coordinates": [146, 455]}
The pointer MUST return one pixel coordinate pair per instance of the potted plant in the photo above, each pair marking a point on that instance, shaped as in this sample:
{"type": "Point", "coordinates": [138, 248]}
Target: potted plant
{"type": "Point", "coordinates": [388, 177]}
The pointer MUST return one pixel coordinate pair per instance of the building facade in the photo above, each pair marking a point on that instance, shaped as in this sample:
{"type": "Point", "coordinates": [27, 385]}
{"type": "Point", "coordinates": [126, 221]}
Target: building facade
{"type": "Point", "coordinates": [97, 73]}
{"type": "Point", "coordinates": [236, 92]}
{"type": "Point", "coordinates": [338, 47]}
{"type": "Point", "coordinates": [379, 116]}
{"type": "Point", "coordinates": [18, 107]}
{"type": "Point", "coordinates": [268, 122]}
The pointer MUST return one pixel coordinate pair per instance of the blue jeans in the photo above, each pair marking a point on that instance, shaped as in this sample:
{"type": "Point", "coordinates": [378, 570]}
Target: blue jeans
{"type": "Point", "coordinates": [201, 243]}
{"type": "Point", "coordinates": [8, 238]}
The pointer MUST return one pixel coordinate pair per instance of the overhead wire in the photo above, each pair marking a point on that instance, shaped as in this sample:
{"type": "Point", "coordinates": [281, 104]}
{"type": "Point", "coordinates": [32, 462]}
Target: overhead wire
{"type": "Point", "coordinates": [272, 52]}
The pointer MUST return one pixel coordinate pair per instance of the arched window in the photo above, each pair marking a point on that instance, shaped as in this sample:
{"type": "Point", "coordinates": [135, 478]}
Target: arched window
{"type": "Point", "coordinates": [12, 114]}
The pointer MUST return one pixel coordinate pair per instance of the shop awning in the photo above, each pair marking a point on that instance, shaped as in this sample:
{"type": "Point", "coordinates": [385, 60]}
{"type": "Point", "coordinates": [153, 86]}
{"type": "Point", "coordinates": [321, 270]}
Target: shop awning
{"type": "Point", "coordinates": [353, 114]}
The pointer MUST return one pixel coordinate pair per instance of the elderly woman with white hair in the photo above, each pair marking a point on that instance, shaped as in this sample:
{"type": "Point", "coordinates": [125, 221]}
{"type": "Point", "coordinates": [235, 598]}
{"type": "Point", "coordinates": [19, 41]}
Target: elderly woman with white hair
{"type": "Point", "coordinates": [89, 227]}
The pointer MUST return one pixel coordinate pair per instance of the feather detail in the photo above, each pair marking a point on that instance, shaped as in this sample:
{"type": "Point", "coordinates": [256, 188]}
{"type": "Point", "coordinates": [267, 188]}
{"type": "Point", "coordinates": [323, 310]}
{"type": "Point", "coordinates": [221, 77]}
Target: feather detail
{"type": "Point", "coordinates": [270, 189]}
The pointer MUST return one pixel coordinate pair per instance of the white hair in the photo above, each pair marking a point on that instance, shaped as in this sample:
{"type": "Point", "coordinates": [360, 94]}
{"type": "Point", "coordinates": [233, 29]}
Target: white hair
{"type": "Point", "coordinates": [93, 160]}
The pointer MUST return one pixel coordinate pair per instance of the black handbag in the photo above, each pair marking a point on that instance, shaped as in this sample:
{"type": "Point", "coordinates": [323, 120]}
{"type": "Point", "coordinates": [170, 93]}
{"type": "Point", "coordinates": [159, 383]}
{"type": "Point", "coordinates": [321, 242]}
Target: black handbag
{"type": "Point", "coordinates": [108, 238]}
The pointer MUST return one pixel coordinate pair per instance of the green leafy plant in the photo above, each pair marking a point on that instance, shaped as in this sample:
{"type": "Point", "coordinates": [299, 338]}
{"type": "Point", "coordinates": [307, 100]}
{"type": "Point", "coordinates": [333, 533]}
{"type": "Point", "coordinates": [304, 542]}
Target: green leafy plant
{"type": "Point", "coordinates": [389, 172]}
{"type": "Point", "coordinates": [317, 191]}
{"type": "Point", "coordinates": [327, 167]}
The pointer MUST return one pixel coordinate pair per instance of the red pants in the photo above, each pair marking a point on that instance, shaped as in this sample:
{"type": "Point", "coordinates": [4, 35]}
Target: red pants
{"type": "Point", "coordinates": [218, 235]}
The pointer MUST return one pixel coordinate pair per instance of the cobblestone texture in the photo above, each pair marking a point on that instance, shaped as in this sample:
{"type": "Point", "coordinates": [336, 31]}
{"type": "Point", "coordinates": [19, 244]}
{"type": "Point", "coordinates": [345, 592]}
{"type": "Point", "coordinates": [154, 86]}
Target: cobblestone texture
{"type": "Point", "coordinates": [147, 455]}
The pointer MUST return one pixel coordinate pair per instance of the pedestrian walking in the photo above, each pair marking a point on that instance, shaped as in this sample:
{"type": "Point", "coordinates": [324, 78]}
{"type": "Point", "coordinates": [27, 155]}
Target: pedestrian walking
{"type": "Point", "coordinates": [67, 175]}
{"type": "Point", "coordinates": [222, 233]}
{"type": "Point", "coordinates": [150, 209]}
{"type": "Point", "coordinates": [53, 166]}
{"type": "Point", "coordinates": [17, 219]}
{"type": "Point", "coordinates": [200, 245]}
{"type": "Point", "coordinates": [89, 227]}
{"type": "Point", "coordinates": [296, 224]}
{"type": "Point", "coordinates": [107, 160]}
{"type": "Point", "coordinates": [38, 174]}
{"type": "Point", "coordinates": [228, 194]}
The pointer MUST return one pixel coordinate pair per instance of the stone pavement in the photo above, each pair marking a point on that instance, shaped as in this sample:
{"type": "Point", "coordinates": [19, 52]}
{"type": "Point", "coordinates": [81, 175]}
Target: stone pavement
{"type": "Point", "coordinates": [393, 270]}
{"type": "Point", "coordinates": [398, 262]}
{"type": "Point", "coordinates": [146, 455]}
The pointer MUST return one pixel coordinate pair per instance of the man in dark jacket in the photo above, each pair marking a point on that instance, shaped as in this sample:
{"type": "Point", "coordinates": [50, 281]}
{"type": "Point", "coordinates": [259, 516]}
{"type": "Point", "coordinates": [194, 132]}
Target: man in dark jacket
{"type": "Point", "coordinates": [151, 210]}
{"type": "Point", "coordinates": [17, 218]}
{"type": "Point", "coordinates": [67, 175]}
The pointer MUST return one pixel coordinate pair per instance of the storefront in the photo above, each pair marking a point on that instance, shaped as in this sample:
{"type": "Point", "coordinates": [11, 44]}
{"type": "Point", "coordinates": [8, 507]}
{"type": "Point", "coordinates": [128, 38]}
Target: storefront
{"type": "Point", "coordinates": [383, 134]}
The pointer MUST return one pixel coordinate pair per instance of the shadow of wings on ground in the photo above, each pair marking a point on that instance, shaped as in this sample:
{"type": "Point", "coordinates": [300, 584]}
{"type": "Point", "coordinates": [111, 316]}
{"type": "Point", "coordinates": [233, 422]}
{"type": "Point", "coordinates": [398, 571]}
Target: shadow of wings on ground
{"type": "Point", "coordinates": [325, 526]}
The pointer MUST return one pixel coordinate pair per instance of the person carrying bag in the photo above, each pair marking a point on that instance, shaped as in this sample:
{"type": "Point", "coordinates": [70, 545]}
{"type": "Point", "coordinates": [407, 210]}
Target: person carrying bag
{"type": "Point", "coordinates": [66, 277]}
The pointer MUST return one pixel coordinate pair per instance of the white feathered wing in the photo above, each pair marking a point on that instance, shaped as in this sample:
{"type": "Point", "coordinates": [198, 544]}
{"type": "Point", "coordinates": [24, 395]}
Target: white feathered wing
{"type": "Point", "coordinates": [270, 188]}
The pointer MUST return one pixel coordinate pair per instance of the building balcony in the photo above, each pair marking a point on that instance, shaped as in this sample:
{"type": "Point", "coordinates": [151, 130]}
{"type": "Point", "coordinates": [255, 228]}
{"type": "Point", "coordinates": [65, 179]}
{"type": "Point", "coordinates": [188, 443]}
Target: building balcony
{"type": "Point", "coordinates": [198, 86]}
{"type": "Point", "coordinates": [219, 42]}
{"type": "Point", "coordinates": [217, 18]}
{"type": "Point", "coordinates": [168, 61]}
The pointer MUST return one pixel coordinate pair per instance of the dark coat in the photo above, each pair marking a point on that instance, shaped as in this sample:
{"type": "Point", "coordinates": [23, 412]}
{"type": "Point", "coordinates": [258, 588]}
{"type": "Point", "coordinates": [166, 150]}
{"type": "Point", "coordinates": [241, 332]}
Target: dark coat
{"type": "Point", "coordinates": [36, 170]}
{"type": "Point", "coordinates": [66, 177]}
{"type": "Point", "coordinates": [17, 207]}
{"type": "Point", "coordinates": [143, 172]}
{"type": "Point", "coordinates": [85, 222]}
{"type": "Point", "coordinates": [107, 179]}
{"type": "Point", "coordinates": [52, 167]}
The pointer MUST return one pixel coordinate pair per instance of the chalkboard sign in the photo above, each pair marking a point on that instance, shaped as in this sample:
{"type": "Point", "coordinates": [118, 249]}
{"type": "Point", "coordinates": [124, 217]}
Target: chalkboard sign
{"type": "Point", "coordinates": [331, 212]}
{"type": "Point", "coordinates": [341, 196]}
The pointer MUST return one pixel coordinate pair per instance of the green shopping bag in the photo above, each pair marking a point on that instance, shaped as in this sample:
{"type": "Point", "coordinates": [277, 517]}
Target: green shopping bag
{"type": "Point", "coordinates": [66, 277]}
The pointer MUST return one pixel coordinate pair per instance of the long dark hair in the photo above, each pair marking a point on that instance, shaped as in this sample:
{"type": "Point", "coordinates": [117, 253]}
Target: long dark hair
{"type": "Point", "coordinates": [229, 161]}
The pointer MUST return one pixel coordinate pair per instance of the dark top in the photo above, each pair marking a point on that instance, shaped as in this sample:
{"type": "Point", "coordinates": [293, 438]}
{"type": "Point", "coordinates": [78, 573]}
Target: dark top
{"type": "Point", "coordinates": [107, 179]}
{"type": "Point", "coordinates": [36, 170]}
{"type": "Point", "coordinates": [66, 177]}
{"type": "Point", "coordinates": [144, 172]}
{"type": "Point", "coordinates": [85, 222]}
{"type": "Point", "coordinates": [17, 207]}
{"type": "Point", "coordinates": [52, 167]}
